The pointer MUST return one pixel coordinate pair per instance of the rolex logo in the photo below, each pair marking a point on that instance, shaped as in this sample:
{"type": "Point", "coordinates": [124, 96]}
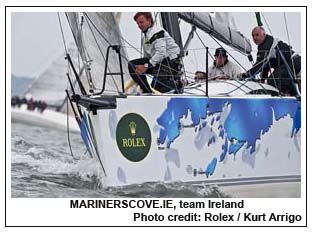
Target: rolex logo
{"type": "Point", "coordinates": [132, 126]}
{"type": "Point", "coordinates": [133, 137]}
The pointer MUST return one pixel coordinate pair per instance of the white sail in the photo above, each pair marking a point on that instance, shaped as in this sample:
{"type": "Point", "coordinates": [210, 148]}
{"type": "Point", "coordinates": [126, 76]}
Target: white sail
{"type": "Point", "coordinates": [51, 83]}
{"type": "Point", "coordinates": [226, 18]}
{"type": "Point", "coordinates": [94, 32]}
{"type": "Point", "coordinates": [218, 30]}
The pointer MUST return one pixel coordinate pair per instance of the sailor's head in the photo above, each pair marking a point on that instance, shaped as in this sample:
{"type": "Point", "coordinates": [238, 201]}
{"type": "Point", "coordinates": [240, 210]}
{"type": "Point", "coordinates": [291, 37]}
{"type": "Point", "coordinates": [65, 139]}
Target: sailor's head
{"type": "Point", "coordinates": [144, 20]}
{"type": "Point", "coordinates": [258, 35]}
{"type": "Point", "coordinates": [220, 56]}
{"type": "Point", "coordinates": [199, 75]}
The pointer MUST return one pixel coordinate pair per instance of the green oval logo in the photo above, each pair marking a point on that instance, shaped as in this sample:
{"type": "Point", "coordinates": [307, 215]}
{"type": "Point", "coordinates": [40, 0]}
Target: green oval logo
{"type": "Point", "coordinates": [133, 137]}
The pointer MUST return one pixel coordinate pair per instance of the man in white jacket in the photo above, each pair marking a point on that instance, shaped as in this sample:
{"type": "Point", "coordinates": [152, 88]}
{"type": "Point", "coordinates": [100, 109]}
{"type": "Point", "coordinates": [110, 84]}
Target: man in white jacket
{"type": "Point", "coordinates": [222, 68]}
{"type": "Point", "coordinates": [161, 58]}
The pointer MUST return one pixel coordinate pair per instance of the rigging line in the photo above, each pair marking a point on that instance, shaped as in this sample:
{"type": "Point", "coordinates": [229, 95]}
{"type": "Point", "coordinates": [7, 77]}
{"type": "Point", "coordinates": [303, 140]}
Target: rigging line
{"type": "Point", "coordinates": [141, 46]}
{"type": "Point", "coordinates": [150, 76]}
{"type": "Point", "coordinates": [157, 75]}
{"type": "Point", "coordinates": [68, 137]}
{"type": "Point", "coordinates": [75, 34]}
{"type": "Point", "coordinates": [274, 79]}
{"type": "Point", "coordinates": [163, 65]}
{"type": "Point", "coordinates": [259, 69]}
{"type": "Point", "coordinates": [262, 15]}
{"type": "Point", "coordinates": [188, 91]}
{"type": "Point", "coordinates": [288, 37]}
{"type": "Point", "coordinates": [131, 46]}
{"type": "Point", "coordinates": [100, 33]}
{"type": "Point", "coordinates": [171, 77]}
{"type": "Point", "coordinates": [88, 59]}
{"type": "Point", "coordinates": [235, 80]}
{"type": "Point", "coordinates": [200, 39]}
{"type": "Point", "coordinates": [97, 44]}
{"type": "Point", "coordinates": [231, 54]}
{"type": "Point", "coordinates": [80, 31]}
{"type": "Point", "coordinates": [61, 27]}
{"type": "Point", "coordinates": [96, 41]}
{"type": "Point", "coordinates": [243, 84]}
{"type": "Point", "coordinates": [183, 76]}
{"type": "Point", "coordinates": [78, 54]}
{"type": "Point", "coordinates": [95, 37]}
{"type": "Point", "coordinates": [138, 76]}
{"type": "Point", "coordinates": [62, 32]}
{"type": "Point", "coordinates": [106, 40]}
{"type": "Point", "coordinates": [292, 76]}
{"type": "Point", "coordinates": [155, 18]}
{"type": "Point", "coordinates": [72, 30]}
{"type": "Point", "coordinates": [222, 47]}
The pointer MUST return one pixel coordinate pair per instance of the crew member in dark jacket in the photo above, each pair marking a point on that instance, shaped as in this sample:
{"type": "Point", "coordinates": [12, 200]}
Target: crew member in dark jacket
{"type": "Point", "coordinates": [274, 53]}
{"type": "Point", "coordinates": [160, 58]}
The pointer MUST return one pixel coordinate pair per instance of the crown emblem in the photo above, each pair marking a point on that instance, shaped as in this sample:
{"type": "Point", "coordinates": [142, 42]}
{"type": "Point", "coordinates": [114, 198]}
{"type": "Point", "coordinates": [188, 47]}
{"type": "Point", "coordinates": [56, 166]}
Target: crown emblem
{"type": "Point", "coordinates": [132, 126]}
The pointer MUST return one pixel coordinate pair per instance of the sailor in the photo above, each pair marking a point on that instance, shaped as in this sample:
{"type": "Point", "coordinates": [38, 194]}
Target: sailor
{"type": "Point", "coordinates": [222, 68]}
{"type": "Point", "coordinates": [161, 58]}
{"type": "Point", "coordinates": [274, 54]}
{"type": "Point", "coordinates": [200, 76]}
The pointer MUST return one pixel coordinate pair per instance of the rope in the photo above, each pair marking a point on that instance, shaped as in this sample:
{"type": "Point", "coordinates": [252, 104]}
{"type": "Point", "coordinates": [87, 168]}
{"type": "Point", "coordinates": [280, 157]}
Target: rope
{"type": "Point", "coordinates": [101, 34]}
{"type": "Point", "coordinates": [67, 109]}
{"type": "Point", "coordinates": [116, 86]}
{"type": "Point", "coordinates": [62, 32]}
{"type": "Point", "coordinates": [124, 57]}
{"type": "Point", "coordinates": [268, 26]}
{"type": "Point", "coordinates": [239, 87]}
{"type": "Point", "coordinates": [288, 37]}
{"type": "Point", "coordinates": [68, 137]}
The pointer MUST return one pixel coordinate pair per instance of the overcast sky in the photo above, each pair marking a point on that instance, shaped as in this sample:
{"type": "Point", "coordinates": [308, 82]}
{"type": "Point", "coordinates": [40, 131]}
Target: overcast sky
{"type": "Point", "coordinates": [36, 37]}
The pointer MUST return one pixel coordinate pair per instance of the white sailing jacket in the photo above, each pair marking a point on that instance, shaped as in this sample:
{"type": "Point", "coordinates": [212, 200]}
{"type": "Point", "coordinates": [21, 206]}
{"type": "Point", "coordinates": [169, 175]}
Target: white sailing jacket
{"type": "Point", "coordinates": [158, 45]}
{"type": "Point", "coordinates": [230, 69]}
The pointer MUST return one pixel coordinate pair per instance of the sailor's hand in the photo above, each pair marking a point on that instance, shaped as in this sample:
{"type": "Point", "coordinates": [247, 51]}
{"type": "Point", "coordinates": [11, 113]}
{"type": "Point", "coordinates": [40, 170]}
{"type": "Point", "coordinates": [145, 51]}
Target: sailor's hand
{"type": "Point", "coordinates": [242, 76]}
{"type": "Point", "coordinates": [139, 69]}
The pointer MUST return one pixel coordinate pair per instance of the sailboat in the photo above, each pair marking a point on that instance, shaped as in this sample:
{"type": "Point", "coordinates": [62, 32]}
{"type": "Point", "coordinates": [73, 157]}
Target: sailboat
{"type": "Point", "coordinates": [231, 132]}
{"type": "Point", "coordinates": [49, 87]}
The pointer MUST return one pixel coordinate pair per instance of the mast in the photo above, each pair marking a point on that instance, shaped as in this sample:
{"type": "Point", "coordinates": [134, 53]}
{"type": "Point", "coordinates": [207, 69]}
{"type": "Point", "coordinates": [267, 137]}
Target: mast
{"type": "Point", "coordinates": [170, 23]}
{"type": "Point", "coordinates": [258, 17]}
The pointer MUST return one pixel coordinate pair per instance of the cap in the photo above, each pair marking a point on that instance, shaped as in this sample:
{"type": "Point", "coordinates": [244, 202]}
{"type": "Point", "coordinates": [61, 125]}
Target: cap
{"type": "Point", "coordinates": [220, 51]}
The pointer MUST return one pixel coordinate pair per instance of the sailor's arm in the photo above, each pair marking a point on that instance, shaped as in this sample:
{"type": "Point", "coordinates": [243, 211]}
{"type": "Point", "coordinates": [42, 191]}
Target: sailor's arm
{"type": "Point", "coordinates": [236, 71]}
{"type": "Point", "coordinates": [257, 67]}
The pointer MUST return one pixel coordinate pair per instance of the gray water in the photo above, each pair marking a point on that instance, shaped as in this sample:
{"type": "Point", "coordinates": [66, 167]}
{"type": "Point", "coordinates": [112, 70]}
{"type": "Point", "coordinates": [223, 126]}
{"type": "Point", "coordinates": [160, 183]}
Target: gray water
{"type": "Point", "coordinates": [42, 166]}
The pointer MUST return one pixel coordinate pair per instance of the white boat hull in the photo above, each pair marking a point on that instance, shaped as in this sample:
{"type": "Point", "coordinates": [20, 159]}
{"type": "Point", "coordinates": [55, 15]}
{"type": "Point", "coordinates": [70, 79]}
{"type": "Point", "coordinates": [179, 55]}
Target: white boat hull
{"type": "Point", "coordinates": [48, 118]}
{"type": "Point", "coordinates": [227, 141]}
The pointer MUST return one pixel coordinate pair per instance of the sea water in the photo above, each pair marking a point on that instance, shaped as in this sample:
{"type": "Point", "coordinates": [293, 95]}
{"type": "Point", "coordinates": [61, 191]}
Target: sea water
{"type": "Point", "coordinates": [43, 166]}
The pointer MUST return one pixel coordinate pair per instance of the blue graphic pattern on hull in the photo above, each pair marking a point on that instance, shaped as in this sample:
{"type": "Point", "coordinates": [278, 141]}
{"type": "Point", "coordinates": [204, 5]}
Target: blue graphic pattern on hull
{"type": "Point", "coordinates": [247, 120]}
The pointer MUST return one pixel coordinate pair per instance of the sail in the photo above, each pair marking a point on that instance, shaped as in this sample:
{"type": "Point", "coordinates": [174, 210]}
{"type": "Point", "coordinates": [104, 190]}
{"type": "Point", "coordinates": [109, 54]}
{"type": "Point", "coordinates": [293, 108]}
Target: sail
{"type": "Point", "coordinates": [94, 32]}
{"type": "Point", "coordinates": [226, 18]}
{"type": "Point", "coordinates": [218, 30]}
{"type": "Point", "coordinates": [51, 83]}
